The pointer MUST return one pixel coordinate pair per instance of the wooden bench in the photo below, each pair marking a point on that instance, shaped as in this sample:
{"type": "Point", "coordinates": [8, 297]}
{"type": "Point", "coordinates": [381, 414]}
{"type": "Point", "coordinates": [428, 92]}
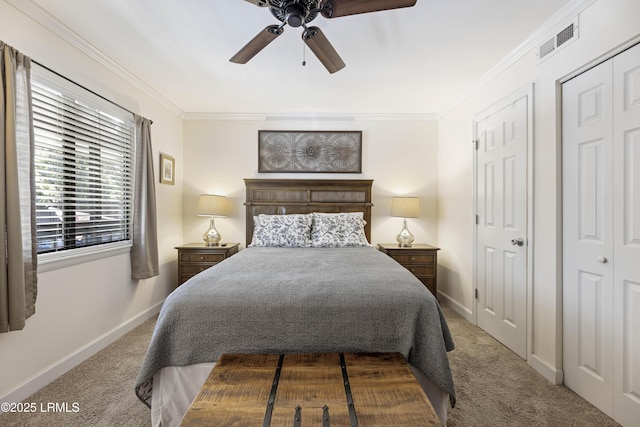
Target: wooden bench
{"type": "Point", "coordinates": [327, 389]}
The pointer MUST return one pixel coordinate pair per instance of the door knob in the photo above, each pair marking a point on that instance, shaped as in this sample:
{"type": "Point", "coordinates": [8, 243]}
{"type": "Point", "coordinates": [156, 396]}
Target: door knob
{"type": "Point", "coordinates": [601, 259]}
{"type": "Point", "coordinates": [517, 242]}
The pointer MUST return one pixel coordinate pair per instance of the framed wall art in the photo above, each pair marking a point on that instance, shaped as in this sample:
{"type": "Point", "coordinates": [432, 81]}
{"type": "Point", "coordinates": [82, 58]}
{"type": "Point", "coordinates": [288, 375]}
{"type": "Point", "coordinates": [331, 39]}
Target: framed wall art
{"type": "Point", "coordinates": [167, 169]}
{"type": "Point", "coordinates": [310, 151]}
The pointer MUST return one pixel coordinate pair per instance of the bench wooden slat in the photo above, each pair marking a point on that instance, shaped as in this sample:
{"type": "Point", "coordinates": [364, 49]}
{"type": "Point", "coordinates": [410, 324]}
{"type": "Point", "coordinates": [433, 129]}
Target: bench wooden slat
{"type": "Point", "coordinates": [385, 391]}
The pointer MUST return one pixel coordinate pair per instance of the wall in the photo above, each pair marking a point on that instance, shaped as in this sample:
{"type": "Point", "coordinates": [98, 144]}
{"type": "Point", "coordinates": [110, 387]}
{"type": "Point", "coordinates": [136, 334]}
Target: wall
{"type": "Point", "coordinates": [399, 155]}
{"type": "Point", "coordinates": [82, 308]}
{"type": "Point", "coordinates": [605, 27]}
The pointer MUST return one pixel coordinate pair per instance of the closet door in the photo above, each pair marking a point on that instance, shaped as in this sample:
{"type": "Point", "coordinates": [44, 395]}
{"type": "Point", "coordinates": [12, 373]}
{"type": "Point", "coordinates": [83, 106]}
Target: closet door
{"type": "Point", "coordinates": [588, 236]}
{"type": "Point", "coordinates": [601, 236]}
{"type": "Point", "coordinates": [626, 204]}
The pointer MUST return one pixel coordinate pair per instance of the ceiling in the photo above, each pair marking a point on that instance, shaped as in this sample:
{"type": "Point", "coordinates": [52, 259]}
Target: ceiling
{"type": "Point", "coordinates": [406, 61]}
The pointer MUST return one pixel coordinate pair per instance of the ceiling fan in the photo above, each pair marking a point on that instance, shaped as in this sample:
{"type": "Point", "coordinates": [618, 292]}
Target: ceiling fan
{"type": "Point", "coordinates": [298, 13]}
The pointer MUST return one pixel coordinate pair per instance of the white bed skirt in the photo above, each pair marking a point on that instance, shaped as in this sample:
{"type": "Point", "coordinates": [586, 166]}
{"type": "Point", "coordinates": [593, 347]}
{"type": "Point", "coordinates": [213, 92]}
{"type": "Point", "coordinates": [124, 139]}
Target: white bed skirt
{"type": "Point", "coordinates": [174, 388]}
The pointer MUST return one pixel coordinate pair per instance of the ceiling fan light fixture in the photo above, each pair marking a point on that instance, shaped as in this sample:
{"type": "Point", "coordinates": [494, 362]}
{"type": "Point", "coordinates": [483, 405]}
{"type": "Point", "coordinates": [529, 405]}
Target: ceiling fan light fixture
{"type": "Point", "coordinates": [295, 14]}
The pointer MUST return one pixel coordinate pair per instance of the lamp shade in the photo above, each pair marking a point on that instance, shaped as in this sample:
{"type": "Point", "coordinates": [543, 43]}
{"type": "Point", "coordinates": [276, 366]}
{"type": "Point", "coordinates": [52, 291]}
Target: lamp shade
{"type": "Point", "coordinates": [212, 205]}
{"type": "Point", "coordinates": [405, 207]}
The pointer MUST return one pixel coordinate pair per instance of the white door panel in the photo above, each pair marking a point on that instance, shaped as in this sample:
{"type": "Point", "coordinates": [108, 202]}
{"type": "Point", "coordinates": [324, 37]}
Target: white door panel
{"type": "Point", "coordinates": [626, 153]}
{"type": "Point", "coordinates": [588, 236]}
{"type": "Point", "coordinates": [501, 191]}
{"type": "Point", "coordinates": [601, 236]}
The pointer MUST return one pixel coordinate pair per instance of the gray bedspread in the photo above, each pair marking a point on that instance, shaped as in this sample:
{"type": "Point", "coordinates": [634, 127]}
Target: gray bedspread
{"type": "Point", "coordinates": [300, 300]}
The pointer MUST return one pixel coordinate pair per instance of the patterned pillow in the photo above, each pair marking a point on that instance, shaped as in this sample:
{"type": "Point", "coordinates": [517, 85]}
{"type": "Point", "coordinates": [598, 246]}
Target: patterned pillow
{"type": "Point", "coordinates": [289, 231]}
{"type": "Point", "coordinates": [338, 230]}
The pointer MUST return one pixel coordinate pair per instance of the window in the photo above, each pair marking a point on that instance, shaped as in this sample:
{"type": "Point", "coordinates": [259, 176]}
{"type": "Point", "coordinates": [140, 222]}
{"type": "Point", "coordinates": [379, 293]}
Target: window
{"type": "Point", "coordinates": [84, 155]}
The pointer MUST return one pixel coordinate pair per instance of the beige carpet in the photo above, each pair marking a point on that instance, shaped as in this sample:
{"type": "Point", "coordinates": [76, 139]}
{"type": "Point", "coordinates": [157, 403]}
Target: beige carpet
{"type": "Point", "coordinates": [497, 388]}
{"type": "Point", "coordinates": [494, 386]}
{"type": "Point", "coordinates": [102, 386]}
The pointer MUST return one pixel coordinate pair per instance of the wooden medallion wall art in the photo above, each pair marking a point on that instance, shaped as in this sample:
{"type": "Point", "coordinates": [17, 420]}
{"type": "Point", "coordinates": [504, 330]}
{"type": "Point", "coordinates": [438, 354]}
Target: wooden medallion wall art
{"type": "Point", "coordinates": [310, 151]}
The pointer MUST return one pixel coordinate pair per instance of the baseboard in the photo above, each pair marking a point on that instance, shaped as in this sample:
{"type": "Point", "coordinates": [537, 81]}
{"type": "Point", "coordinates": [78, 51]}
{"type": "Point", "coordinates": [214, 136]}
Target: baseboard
{"type": "Point", "coordinates": [64, 365]}
{"type": "Point", "coordinates": [456, 306]}
{"type": "Point", "coordinates": [548, 371]}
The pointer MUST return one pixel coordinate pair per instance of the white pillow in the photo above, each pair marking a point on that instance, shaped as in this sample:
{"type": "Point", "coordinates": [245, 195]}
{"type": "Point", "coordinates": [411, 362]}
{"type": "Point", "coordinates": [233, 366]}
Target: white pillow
{"type": "Point", "coordinates": [288, 231]}
{"type": "Point", "coordinates": [338, 230]}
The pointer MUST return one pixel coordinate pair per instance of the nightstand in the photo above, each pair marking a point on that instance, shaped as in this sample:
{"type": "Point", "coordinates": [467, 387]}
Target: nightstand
{"type": "Point", "coordinates": [420, 259]}
{"type": "Point", "coordinates": [196, 257]}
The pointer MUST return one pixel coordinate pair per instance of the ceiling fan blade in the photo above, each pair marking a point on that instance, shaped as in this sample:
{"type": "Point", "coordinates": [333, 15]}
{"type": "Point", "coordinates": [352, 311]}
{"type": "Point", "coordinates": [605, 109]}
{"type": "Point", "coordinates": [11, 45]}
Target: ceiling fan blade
{"type": "Point", "coordinates": [318, 43]}
{"type": "Point", "coordinates": [261, 3]}
{"type": "Point", "coordinates": [337, 8]}
{"type": "Point", "coordinates": [256, 44]}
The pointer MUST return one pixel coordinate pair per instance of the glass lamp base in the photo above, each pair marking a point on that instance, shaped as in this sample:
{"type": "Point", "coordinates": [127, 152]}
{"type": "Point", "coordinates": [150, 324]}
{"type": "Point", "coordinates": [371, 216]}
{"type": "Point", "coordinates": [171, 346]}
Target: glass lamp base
{"type": "Point", "coordinates": [211, 237]}
{"type": "Point", "coordinates": [405, 238]}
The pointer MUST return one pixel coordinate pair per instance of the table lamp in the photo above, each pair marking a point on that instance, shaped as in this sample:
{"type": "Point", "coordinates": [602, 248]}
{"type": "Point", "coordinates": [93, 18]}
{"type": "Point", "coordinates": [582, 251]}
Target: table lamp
{"type": "Point", "coordinates": [212, 206]}
{"type": "Point", "coordinates": [405, 207]}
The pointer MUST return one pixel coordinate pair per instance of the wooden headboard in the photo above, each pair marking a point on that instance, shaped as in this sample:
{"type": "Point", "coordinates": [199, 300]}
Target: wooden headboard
{"type": "Point", "coordinates": [293, 196]}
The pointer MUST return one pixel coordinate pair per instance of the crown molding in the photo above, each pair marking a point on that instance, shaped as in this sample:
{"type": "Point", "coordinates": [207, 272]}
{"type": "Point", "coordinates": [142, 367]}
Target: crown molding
{"type": "Point", "coordinates": [564, 15]}
{"type": "Point", "coordinates": [325, 117]}
{"type": "Point", "coordinates": [35, 12]}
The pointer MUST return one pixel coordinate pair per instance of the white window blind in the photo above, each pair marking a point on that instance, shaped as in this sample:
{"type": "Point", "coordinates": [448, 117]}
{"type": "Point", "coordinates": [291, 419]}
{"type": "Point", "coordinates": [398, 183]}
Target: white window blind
{"type": "Point", "coordinates": [84, 154]}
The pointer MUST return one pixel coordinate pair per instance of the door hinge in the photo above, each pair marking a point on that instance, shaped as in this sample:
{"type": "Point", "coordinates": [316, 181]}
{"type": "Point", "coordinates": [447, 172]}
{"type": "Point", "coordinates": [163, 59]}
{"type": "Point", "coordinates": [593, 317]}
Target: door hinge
{"type": "Point", "coordinates": [477, 220]}
{"type": "Point", "coordinates": [476, 143]}
{"type": "Point", "coordinates": [477, 294]}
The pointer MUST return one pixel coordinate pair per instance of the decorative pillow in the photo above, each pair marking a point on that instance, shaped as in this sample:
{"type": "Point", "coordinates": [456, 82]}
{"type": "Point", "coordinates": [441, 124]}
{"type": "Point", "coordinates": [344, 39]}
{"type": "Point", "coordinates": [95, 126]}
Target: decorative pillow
{"type": "Point", "coordinates": [289, 231]}
{"type": "Point", "coordinates": [357, 214]}
{"type": "Point", "coordinates": [338, 230]}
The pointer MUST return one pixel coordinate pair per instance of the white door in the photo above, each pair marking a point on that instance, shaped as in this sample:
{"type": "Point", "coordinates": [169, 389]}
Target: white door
{"type": "Point", "coordinates": [626, 242]}
{"type": "Point", "coordinates": [601, 236]}
{"type": "Point", "coordinates": [501, 240]}
{"type": "Point", "coordinates": [588, 236]}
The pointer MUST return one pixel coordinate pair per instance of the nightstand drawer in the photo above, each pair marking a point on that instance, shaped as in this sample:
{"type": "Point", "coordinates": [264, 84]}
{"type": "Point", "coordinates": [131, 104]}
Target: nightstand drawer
{"type": "Point", "coordinates": [193, 269]}
{"type": "Point", "coordinates": [422, 270]}
{"type": "Point", "coordinates": [194, 258]}
{"type": "Point", "coordinates": [420, 259]}
{"type": "Point", "coordinates": [414, 258]}
{"type": "Point", "coordinates": [201, 257]}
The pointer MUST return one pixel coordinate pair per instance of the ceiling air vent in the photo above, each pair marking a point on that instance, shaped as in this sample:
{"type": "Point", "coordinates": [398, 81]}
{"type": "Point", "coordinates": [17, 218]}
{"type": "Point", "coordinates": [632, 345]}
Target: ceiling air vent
{"type": "Point", "coordinates": [547, 48]}
{"type": "Point", "coordinates": [569, 33]}
{"type": "Point", "coordinates": [565, 35]}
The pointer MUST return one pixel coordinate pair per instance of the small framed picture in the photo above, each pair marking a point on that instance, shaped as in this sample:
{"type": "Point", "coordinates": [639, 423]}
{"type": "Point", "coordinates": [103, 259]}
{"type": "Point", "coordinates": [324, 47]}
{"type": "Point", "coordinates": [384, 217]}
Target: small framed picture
{"type": "Point", "coordinates": [167, 169]}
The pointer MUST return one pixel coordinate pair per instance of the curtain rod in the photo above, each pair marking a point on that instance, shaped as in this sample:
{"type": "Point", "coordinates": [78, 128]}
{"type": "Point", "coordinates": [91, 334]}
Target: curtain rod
{"type": "Point", "coordinates": [83, 87]}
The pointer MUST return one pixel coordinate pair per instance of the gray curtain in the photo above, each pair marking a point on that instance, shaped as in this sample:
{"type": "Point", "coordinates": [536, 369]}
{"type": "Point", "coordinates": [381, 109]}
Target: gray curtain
{"type": "Point", "coordinates": [144, 253]}
{"type": "Point", "coordinates": [18, 250]}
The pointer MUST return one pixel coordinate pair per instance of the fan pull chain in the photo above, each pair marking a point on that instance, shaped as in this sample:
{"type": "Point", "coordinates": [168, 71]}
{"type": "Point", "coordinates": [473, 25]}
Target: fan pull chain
{"type": "Point", "coordinates": [304, 54]}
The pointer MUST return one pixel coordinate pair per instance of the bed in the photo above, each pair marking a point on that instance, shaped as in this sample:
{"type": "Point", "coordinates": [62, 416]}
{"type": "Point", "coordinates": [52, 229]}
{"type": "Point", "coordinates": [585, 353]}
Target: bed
{"type": "Point", "coordinates": [318, 287]}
